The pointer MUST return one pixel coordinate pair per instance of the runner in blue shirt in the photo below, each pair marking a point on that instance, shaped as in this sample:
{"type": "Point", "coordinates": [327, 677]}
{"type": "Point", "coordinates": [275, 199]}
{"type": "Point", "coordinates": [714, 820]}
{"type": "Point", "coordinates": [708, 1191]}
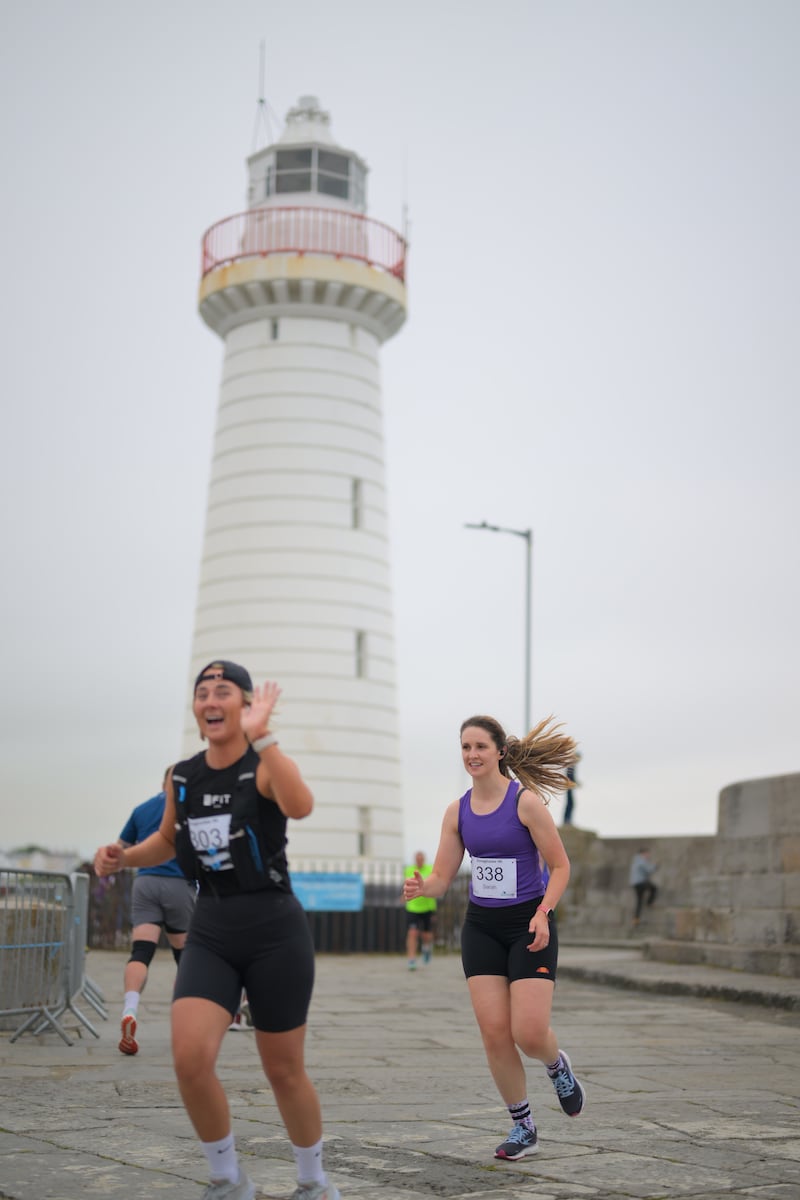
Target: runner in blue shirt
{"type": "Point", "coordinates": [162, 899]}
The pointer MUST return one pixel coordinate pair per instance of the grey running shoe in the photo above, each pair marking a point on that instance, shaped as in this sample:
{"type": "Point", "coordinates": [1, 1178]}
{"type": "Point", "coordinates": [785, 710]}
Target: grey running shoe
{"type": "Point", "coordinates": [316, 1191]}
{"type": "Point", "coordinates": [223, 1189]}
{"type": "Point", "coordinates": [571, 1095]}
{"type": "Point", "coordinates": [520, 1141]}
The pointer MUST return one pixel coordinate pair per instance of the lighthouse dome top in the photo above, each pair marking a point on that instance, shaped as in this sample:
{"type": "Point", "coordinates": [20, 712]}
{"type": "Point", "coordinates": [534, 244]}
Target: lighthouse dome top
{"type": "Point", "coordinates": [306, 166]}
{"type": "Point", "coordinates": [307, 122]}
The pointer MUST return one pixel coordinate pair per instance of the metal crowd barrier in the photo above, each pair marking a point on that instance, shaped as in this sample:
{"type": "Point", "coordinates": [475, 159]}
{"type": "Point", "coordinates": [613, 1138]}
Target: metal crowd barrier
{"type": "Point", "coordinates": [43, 935]}
{"type": "Point", "coordinates": [80, 983]}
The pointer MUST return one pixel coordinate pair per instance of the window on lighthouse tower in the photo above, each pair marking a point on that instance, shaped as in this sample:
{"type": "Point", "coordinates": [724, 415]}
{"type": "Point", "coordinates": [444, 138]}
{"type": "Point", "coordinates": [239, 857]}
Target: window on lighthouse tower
{"type": "Point", "coordinates": [361, 654]}
{"type": "Point", "coordinates": [364, 832]}
{"type": "Point", "coordinates": [356, 503]}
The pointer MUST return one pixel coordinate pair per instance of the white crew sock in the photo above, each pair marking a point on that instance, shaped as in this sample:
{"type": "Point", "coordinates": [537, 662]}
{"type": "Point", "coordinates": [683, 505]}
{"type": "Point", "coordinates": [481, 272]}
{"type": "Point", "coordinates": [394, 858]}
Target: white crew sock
{"type": "Point", "coordinates": [222, 1160]}
{"type": "Point", "coordinates": [309, 1163]}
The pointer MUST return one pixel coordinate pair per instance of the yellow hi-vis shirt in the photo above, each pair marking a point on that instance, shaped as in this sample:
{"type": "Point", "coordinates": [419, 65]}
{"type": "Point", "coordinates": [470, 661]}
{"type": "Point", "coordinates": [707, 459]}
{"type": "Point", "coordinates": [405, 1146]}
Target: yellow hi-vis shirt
{"type": "Point", "coordinates": [420, 904]}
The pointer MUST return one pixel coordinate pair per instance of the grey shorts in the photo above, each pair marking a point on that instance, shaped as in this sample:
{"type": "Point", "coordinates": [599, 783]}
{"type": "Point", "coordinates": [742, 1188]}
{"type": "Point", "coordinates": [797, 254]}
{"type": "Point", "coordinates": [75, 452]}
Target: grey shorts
{"type": "Point", "coordinates": [166, 900]}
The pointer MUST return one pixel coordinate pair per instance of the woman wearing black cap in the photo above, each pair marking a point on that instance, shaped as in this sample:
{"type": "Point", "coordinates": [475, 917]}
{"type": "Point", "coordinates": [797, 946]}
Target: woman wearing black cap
{"type": "Point", "coordinates": [225, 821]}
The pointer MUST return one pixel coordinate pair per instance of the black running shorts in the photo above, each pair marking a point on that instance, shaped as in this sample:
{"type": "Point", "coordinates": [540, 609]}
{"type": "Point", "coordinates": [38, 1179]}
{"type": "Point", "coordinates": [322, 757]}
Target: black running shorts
{"type": "Point", "coordinates": [256, 941]}
{"type": "Point", "coordinates": [494, 941]}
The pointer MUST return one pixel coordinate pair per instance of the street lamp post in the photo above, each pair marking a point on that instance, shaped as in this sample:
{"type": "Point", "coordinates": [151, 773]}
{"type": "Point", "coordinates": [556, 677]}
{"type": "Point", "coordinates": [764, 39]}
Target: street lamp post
{"type": "Point", "coordinates": [527, 534]}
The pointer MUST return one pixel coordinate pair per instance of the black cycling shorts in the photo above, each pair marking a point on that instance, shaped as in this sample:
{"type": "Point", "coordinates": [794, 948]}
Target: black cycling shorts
{"type": "Point", "coordinates": [256, 941]}
{"type": "Point", "coordinates": [494, 941]}
{"type": "Point", "coordinates": [420, 920]}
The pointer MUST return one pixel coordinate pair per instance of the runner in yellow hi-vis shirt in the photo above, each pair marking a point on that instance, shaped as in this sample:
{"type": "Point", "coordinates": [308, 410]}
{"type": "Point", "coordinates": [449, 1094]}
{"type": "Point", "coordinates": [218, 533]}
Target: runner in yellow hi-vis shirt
{"type": "Point", "coordinates": [419, 917]}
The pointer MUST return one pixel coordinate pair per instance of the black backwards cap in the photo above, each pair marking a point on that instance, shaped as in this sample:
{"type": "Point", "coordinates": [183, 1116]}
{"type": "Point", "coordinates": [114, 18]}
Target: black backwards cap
{"type": "Point", "coordinates": [222, 669]}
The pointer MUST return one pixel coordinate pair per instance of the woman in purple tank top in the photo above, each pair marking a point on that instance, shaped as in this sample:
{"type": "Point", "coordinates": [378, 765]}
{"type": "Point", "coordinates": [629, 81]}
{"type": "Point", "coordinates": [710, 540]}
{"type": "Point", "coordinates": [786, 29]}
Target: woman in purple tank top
{"type": "Point", "coordinates": [509, 941]}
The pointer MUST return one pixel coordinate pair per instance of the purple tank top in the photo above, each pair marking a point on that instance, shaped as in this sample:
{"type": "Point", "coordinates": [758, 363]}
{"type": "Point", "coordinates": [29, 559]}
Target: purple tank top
{"type": "Point", "coordinates": [500, 835]}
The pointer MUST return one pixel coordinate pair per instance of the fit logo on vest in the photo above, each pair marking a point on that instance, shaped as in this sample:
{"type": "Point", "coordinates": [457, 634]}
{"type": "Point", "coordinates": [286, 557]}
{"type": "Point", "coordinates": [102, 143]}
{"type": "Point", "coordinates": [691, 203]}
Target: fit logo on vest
{"type": "Point", "coordinates": [216, 801]}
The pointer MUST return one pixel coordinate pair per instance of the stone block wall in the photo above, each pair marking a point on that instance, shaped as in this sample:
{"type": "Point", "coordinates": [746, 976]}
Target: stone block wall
{"type": "Point", "coordinates": [732, 899]}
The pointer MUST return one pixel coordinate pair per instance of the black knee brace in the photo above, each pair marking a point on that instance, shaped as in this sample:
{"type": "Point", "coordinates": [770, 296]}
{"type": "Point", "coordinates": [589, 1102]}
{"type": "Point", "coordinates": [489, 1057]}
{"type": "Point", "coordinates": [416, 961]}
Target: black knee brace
{"type": "Point", "coordinates": [142, 952]}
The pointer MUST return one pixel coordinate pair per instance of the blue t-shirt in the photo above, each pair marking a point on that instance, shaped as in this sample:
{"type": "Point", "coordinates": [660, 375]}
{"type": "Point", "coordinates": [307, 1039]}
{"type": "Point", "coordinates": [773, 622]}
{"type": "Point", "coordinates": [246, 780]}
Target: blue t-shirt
{"type": "Point", "coordinates": [144, 820]}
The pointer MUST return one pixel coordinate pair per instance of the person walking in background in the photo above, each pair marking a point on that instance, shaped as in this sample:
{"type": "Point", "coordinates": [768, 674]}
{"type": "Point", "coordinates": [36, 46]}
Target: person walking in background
{"type": "Point", "coordinates": [645, 891]}
{"type": "Point", "coordinates": [569, 806]}
{"type": "Point", "coordinates": [419, 917]}
{"type": "Point", "coordinates": [242, 1018]}
{"type": "Point", "coordinates": [162, 898]}
{"type": "Point", "coordinates": [509, 941]}
{"type": "Point", "coordinates": [225, 820]}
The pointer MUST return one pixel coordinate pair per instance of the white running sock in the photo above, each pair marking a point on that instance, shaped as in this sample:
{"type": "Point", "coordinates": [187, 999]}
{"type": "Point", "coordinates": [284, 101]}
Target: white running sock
{"type": "Point", "coordinates": [309, 1164]}
{"type": "Point", "coordinates": [222, 1160]}
{"type": "Point", "coordinates": [131, 1003]}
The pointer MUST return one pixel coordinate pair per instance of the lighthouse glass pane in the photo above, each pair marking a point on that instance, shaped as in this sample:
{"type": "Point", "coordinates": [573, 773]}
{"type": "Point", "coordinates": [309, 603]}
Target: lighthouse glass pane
{"type": "Point", "coordinates": [333, 178]}
{"type": "Point", "coordinates": [334, 164]}
{"type": "Point", "coordinates": [359, 196]}
{"type": "Point", "coordinates": [332, 185]}
{"type": "Point", "coordinates": [293, 181]}
{"type": "Point", "coordinates": [293, 170]}
{"type": "Point", "coordinates": [292, 160]}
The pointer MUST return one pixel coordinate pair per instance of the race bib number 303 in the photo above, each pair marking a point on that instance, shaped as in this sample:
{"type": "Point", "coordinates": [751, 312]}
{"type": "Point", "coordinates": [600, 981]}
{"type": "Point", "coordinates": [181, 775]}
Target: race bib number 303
{"type": "Point", "coordinates": [210, 839]}
{"type": "Point", "coordinates": [494, 878]}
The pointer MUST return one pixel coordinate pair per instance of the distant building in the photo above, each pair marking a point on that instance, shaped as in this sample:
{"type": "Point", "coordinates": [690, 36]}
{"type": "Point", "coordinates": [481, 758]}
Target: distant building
{"type": "Point", "coordinates": [36, 858]}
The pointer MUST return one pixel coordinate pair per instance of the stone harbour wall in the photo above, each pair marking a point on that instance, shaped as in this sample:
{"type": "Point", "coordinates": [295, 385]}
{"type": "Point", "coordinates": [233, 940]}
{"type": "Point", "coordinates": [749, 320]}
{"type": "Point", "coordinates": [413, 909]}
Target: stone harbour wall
{"type": "Point", "coordinates": [730, 900]}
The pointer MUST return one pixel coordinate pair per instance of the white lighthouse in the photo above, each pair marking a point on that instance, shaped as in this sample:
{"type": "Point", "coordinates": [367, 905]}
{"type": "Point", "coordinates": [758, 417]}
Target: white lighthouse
{"type": "Point", "coordinates": [295, 579]}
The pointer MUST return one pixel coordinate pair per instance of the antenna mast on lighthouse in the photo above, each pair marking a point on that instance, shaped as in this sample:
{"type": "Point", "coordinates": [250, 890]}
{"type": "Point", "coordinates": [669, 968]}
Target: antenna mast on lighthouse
{"type": "Point", "coordinates": [263, 124]}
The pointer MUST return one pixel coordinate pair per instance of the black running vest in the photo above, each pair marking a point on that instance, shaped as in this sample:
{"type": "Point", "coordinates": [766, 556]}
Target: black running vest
{"type": "Point", "coordinates": [255, 856]}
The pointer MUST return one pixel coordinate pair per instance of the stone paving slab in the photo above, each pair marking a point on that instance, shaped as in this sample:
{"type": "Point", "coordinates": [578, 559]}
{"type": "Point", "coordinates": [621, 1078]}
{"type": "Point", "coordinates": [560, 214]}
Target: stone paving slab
{"type": "Point", "coordinates": [686, 1095]}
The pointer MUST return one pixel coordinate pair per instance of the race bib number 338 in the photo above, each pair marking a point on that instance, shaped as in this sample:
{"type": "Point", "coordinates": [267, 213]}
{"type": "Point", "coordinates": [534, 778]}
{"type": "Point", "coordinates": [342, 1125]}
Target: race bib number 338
{"type": "Point", "coordinates": [494, 878]}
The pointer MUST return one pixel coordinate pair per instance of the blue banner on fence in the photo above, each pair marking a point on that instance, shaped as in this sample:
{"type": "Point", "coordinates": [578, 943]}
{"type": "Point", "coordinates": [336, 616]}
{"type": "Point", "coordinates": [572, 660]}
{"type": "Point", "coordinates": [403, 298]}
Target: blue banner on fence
{"type": "Point", "coordinates": [319, 891]}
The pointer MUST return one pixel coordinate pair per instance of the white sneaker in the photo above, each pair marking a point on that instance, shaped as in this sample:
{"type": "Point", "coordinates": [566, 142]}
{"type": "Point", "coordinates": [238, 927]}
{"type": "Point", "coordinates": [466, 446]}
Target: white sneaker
{"type": "Point", "coordinates": [316, 1191]}
{"type": "Point", "coordinates": [223, 1189]}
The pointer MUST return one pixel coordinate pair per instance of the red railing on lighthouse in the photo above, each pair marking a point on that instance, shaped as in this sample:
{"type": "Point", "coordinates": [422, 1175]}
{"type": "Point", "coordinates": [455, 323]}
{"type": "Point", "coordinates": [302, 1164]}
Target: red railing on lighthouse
{"type": "Point", "coordinates": [283, 230]}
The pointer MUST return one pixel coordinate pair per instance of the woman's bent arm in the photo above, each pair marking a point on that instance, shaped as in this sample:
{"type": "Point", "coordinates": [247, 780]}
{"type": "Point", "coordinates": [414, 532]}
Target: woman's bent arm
{"type": "Point", "coordinates": [448, 859]}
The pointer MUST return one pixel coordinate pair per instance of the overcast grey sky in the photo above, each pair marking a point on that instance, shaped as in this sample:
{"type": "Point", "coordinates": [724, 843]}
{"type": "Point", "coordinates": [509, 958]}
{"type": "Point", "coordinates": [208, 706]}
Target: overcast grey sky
{"type": "Point", "coordinates": [602, 345]}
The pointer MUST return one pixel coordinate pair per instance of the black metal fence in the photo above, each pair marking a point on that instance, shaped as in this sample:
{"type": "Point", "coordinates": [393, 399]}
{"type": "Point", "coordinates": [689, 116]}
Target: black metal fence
{"type": "Point", "coordinates": [380, 926]}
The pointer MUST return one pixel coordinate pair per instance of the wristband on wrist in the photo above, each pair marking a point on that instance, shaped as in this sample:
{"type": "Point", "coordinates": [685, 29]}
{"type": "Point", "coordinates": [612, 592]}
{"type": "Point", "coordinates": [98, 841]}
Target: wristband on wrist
{"type": "Point", "coordinates": [548, 912]}
{"type": "Point", "coordinates": [267, 739]}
